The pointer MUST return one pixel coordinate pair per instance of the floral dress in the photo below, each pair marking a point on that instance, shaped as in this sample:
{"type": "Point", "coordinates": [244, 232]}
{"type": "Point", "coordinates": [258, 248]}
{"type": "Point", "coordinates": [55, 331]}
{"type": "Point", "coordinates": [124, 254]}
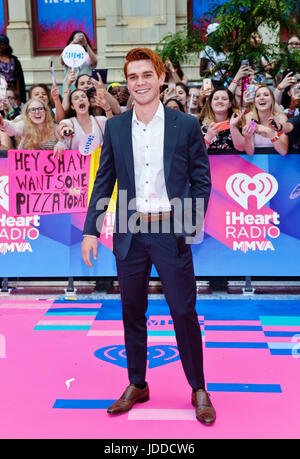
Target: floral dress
{"type": "Point", "coordinates": [222, 141]}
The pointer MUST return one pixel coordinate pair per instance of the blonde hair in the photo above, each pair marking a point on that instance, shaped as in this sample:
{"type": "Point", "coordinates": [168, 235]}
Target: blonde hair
{"type": "Point", "coordinates": [33, 138]}
{"type": "Point", "coordinates": [254, 109]}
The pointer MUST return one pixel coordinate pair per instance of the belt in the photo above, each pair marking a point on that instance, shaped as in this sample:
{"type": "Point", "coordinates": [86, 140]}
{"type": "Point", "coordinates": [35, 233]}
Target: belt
{"type": "Point", "coordinates": [155, 217]}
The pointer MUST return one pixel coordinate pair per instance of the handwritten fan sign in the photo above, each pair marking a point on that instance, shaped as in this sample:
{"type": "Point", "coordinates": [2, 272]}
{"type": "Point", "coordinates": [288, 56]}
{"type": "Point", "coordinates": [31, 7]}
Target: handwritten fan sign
{"type": "Point", "coordinates": [74, 56]}
{"type": "Point", "coordinates": [41, 184]}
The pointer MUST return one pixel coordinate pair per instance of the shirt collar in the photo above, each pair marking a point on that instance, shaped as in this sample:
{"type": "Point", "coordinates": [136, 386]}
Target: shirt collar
{"type": "Point", "coordinates": [160, 113]}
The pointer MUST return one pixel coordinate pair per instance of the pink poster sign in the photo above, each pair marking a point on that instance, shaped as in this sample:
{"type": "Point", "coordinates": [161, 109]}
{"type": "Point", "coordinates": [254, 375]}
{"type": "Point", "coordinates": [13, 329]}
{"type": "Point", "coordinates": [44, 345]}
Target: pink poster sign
{"type": "Point", "coordinates": [40, 184]}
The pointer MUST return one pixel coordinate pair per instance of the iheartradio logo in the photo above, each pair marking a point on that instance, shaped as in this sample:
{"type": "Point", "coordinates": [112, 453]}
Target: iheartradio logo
{"type": "Point", "coordinates": [4, 200]}
{"type": "Point", "coordinates": [263, 186]}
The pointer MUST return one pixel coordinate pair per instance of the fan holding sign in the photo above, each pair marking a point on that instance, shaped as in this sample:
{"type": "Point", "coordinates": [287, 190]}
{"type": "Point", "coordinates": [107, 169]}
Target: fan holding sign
{"type": "Point", "coordinates": [78, 56]}
{"type": "Point", "coordinates": [74, 56]}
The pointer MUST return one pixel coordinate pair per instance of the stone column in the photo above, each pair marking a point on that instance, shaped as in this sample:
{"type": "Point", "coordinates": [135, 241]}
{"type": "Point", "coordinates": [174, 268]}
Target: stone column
{"type": "Point", "coordinates": [19, 29]}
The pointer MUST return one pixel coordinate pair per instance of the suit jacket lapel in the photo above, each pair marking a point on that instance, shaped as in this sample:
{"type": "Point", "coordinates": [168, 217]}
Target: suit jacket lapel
{"type": "Point", "coordinates": [125, 137]}
{"type": "Point", "coordinates": [170, 139]}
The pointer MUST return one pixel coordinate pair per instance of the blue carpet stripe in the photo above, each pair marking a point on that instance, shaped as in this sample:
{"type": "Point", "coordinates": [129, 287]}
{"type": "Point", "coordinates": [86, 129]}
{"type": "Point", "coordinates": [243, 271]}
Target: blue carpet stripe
{"type": "Point", "coordinates": [232, 345]}
{"type": "Point", "coordinates": [283, 352]}
{"type": "Point", "coordinates": [81, 404]}
{"type": "Point", "coordinates": [265, 388]}
{"type": "Point", "coordinates": [281, 333]}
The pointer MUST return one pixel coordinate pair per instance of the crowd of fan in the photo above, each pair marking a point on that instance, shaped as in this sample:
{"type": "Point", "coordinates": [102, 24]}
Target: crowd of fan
{"type": "Point", "coordinates": [236, 117]}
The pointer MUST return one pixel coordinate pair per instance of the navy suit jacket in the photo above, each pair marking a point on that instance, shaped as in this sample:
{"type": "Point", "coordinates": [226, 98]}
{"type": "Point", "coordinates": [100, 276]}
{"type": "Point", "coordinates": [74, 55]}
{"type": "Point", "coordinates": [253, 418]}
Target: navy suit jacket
{"type": "Point", "coordinates": [186, 167]}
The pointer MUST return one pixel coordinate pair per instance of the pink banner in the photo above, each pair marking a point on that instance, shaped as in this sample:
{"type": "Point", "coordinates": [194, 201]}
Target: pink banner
{"type": "Point", "coordinates": [40, 184]}
{"type": "Point", "coordinates": [237, 214]}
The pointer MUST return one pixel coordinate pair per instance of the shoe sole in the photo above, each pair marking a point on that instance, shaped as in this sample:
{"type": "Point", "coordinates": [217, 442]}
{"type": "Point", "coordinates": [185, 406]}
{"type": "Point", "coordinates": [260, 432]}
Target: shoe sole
{"type": "Point", "coordinates": [206, 423]}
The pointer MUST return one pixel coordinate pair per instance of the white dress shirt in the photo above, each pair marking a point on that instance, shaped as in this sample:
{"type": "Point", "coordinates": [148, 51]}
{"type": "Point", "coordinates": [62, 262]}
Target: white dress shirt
{"type": "Point", "coordinates": [148, 156]}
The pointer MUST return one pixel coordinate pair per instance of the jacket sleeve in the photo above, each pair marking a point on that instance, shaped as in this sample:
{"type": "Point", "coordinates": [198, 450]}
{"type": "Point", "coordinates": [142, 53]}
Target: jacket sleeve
{"type": "Point", "coordinates": [199, 168]}
{"type": "Point", "coordinates": [103, 188]}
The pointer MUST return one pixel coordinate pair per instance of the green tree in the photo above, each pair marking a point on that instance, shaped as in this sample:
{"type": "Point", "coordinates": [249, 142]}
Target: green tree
{"type": "Point", "coordinates": [240, 19]}
{"type": "Point", "coordinates": [178, 47]}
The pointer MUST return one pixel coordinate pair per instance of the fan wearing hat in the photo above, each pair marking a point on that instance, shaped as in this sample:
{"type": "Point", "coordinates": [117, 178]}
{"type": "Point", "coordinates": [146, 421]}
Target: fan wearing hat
{"type": "Point", "coordinates": [10, 68]}
{"type": "Point", "coordinates": [209, 58]}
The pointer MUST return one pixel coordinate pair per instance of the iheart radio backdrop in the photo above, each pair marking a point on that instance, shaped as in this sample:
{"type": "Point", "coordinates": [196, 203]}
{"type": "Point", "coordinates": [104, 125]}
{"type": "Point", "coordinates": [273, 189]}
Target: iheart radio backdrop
{"type": "Point", "coordinates": [252, 226]}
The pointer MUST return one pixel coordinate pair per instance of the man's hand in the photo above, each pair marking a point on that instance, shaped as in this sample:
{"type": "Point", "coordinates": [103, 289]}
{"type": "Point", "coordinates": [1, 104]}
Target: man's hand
{"type": "Point", "coordinates": [88, 245]}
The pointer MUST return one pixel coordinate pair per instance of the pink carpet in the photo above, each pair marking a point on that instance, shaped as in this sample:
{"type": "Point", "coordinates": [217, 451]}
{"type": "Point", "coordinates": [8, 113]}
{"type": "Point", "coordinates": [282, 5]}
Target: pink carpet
{"type": "Point", "coordinates": [62, 366]}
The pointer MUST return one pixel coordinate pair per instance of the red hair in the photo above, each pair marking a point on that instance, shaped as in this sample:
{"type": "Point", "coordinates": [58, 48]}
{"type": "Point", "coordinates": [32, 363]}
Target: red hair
{"type": "Point", "coordinates": [138, 54]}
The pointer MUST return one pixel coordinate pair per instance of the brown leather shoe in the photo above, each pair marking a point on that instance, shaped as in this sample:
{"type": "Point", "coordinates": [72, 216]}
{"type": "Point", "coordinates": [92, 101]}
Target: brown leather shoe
{"type": "Point", "coordinates": [205, 411]}
{"type": "Point", "coordinates": [130, 396]}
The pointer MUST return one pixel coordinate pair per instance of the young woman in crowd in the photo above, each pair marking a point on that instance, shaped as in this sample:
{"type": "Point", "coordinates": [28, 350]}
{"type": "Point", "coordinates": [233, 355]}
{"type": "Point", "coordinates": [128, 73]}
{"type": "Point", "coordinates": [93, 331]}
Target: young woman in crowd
{"type": "Point", "coordinates": [193, 99]}
{"type": "Point", "coordinates": [215, 117]}
{"type": "Point", "coordinates": [50, 97]}
{"type": "Point", "coordinates": [174, 104]}
{"type": "Point", "coordinates": [257, 131]}
{"type": "Point", "coordinates": [35, 129]}
{"type": "Point", "coordinates": [80, 122]}
{"type": "Point", "coordinates": [293, 43]}
{"type": "Point", "coordinates": [80, 38]}
{"type": "Point", "coordinates": [181, 94]}
{"type": "Point", "coordinates": [10, 68]}
{"type": "Point", "coordinates": [90, 85]}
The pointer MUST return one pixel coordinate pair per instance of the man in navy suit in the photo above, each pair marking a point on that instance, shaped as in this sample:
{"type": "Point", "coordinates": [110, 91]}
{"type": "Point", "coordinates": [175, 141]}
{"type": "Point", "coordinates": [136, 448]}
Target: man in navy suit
{"type": "Point", "coordinates": [158, 157]}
